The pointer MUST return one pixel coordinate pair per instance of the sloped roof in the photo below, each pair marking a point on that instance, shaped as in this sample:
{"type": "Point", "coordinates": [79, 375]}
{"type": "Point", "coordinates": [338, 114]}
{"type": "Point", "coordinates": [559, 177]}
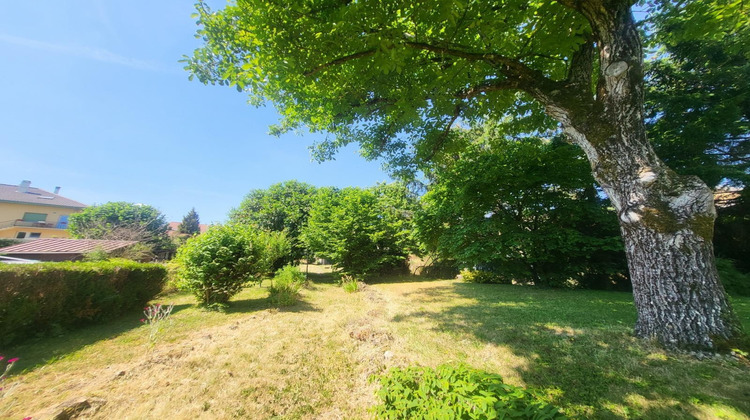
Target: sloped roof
{"type": "Point", "coordinates": [10, 193]}
{"type": "Point", "coordinates": [64, 246]}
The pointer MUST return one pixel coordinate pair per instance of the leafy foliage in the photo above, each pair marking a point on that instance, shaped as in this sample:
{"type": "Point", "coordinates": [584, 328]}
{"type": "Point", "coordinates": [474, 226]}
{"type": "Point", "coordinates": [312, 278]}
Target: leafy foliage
{"type": "Point", "coordinates": [283, 207]}
{"type": "Point", "coordinates": [388, 75]}
{"type": "Point", "coordinates": [216, 265]}
{"type": "Point", "coordinates": [484, 276]}
{"type": "Point", "coordinates": [123, 221]}
{"type": "Point", "coordinates": [361, 231]}
{"type": "Point", "coordinates": [459, 392]}
{"type": "Point", "coordinates": [39, 298]}
{"type": "Point", "coordinates": [191, 223]}
{"type": "Point", "coordinates": [698, 98]}
{"type": "Point", "coordinates": [285, 286]}
{"type": "Point", "coordinates": [522, 209]}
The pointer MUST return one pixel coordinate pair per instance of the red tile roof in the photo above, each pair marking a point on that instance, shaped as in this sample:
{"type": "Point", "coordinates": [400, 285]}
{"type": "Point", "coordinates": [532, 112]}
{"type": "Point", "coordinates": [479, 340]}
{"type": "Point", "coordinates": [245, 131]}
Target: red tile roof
{"type": "Point", "coordinates": [64, 246]}
{"type": "Point", "coordinates": [174, 227]}
{"type": "Point", "coordinates": [10, 193]}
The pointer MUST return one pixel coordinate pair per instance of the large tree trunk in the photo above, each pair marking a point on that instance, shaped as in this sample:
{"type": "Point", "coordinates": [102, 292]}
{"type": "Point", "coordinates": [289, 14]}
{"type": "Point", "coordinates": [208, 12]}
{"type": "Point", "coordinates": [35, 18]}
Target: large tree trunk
{"type": "Point", "coordinates": [666, 219]}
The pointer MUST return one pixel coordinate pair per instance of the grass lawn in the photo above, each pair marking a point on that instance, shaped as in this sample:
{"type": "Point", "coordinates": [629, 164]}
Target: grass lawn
{"type": "Point", "coordinates": [313, 360]}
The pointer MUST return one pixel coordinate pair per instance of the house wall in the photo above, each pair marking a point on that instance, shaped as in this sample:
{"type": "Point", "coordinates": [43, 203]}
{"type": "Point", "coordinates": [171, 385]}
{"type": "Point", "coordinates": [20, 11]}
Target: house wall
{"type": "Point", "coordinates": [10, 212]}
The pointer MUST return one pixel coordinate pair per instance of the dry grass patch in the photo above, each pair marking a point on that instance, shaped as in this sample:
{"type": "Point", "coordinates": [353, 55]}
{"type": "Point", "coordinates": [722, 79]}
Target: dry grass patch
{"type": "Point", "coordinates": [313, 360]}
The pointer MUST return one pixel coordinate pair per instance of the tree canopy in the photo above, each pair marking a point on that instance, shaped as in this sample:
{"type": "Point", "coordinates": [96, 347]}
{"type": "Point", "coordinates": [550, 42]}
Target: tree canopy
{"type": "Point", "coordinates": [120, 220]}
{"type": "Point", "coordinates": [525, 209]}
{"type": "Point", "coordinates": [361, 231]}
{"type": "Point", "coordinates": [191, 223]}
{"type": "Point", "coordinates": [282, 207]}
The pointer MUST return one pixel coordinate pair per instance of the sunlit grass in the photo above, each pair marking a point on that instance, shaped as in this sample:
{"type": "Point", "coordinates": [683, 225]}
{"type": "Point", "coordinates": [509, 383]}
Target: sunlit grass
{"type": "Point", "coordinates": [313, 359]}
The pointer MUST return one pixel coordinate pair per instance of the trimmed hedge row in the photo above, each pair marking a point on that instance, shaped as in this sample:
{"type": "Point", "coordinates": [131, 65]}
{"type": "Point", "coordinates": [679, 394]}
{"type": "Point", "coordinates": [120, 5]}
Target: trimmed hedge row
{"type": "Point", "coordinates": [38, 298]}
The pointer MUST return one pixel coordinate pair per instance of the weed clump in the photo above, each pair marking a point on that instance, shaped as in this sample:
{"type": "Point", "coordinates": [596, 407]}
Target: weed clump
{"type": "Point", "coordinates": [286, 285]}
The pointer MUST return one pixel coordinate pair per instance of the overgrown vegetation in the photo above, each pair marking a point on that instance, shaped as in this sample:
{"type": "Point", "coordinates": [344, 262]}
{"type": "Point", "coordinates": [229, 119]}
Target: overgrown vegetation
{"type": "Point", "coordinates": [456, 392]}
{"type": "Point", "coordinates": [522, 209]}
{"type": "Point", "coordinates": [216, 265]}
{"type": "Point", "coordinates": [362, 231]}
{"type": "Point", "coordinates": [574, 347]}
{"type": "Point", "coordinates": [123, 221]}
{"type": "Point", "coordinates": [49, 298]}
{"type": "Point", "coordinates": [282, 207]}
{"type": "Point", "coordinates": [285, 286]}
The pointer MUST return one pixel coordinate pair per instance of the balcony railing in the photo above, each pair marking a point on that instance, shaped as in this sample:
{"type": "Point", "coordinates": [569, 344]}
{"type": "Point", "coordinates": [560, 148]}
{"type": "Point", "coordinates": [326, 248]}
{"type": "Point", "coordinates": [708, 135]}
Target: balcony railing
{"type": "Point", "coordinates": [23, 223]}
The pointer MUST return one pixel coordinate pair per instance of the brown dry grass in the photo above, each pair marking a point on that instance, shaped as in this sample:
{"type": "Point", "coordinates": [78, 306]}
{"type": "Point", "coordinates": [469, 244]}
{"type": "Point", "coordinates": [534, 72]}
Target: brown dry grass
{"type": "Point", "coordinates": [313, 360]}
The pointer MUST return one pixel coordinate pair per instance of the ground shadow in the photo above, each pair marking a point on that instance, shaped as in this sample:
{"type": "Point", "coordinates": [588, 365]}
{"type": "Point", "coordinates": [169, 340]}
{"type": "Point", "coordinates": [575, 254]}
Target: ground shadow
{"type": "Point", "coordinates": [43, 350]}
{"type": "Point", "coordinates": [579, 349]}
{"type": "Point", "coordinates": [260, 304]}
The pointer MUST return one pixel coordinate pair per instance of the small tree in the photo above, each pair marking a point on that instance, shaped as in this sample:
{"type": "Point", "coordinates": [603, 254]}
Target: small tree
{"type": "Point", "coordinates": [218, 264]}
{"type": "Point", "coordinates": [122, 221]}
{"type": "Point", "coordinates": [283, 207]}
{"type": "Point", "coordinates": [191, 223]}
{"type": "Point", "coordinates": [361, 230]}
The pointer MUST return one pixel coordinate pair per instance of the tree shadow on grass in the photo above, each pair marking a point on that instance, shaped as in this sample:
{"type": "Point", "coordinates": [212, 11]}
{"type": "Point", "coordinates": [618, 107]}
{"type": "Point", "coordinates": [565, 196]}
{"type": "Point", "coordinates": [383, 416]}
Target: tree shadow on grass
{"type": "Point", "coordinates": [260, 304]}
{"type": "Point", "coordinates": [580, 350]}
{"type": "Point", "coordinates": [36, 352]}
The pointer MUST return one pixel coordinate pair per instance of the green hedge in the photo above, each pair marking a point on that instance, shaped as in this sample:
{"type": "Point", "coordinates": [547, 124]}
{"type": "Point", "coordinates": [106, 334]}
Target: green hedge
{"type": "Point", "coordinates": [38, 298]}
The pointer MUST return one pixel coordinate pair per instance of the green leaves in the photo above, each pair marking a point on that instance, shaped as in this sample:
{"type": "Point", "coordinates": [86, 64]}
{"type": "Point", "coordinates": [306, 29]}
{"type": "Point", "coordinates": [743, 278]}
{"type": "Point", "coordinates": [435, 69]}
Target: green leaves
{"type": "Point", "coordinates": [361, 230]}
{"type": "Point", "coordinates": [524, 209]}
{"type": "Point", "coordinates": [216, 265]}
{"type": "Point", "coordinates": [389, 75]}
{"type": "Point", "coordinates": [455, 392]}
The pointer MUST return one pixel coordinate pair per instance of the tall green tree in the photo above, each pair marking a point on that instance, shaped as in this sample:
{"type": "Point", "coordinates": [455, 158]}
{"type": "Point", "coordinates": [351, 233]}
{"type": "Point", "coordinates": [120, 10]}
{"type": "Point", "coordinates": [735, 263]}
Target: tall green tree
{"type": "Point", "coordinates": [121, 220]}
{"type": "Point", "coordinates": [698, 95]}
{"type": "Point", "coordinates": [362, 231]}
{"type": "Point", "coordinates": [395, 76]}
{"type": "Point", "coordinates": [525, 209]}
{"type": "Point", "coordinates": [698, 108]}
{"type": "Point", "coordinates": [191, 223]}
{"type": "Point", "coordinates": [283, 207]}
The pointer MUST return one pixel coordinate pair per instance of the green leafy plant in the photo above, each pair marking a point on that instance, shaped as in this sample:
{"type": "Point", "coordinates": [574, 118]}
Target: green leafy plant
{"type": "Point", "coordinates": [455, 392]}
{"type": "Point", "coordinates": [285, 286]}
{"type": "Point", "coordinates": [216, 265]}
{"type": "Point", "coordinates": [349, 283]}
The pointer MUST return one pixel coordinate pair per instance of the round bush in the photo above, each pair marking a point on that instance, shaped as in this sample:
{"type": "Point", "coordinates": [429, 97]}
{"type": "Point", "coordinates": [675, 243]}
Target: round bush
{"type": "Point", "coordinates": [216, 265]}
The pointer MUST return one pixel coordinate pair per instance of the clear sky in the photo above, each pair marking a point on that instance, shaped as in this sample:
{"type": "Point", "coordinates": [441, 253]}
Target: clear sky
{"type": "Point", "coordinates": [93, 99]}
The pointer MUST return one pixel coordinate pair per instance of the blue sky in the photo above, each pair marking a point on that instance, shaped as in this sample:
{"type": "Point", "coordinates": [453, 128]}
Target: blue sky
{"type": "Point", "coordinates": [93, 99]}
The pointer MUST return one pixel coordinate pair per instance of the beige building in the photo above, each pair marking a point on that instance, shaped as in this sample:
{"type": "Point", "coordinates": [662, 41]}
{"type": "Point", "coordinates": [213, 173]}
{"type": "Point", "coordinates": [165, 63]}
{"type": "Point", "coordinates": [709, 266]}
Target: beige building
{"type": "Point", "coordinates": [27, 212]}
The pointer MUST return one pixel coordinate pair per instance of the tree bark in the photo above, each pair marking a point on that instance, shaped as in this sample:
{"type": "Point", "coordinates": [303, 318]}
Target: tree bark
{"type": "Point", "coordinates": [666, 219]}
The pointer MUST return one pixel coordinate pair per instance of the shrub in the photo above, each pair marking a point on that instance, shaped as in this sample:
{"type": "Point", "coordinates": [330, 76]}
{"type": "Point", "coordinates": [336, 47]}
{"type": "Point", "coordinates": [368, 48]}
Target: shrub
{"type": "Point", "coordinates": [216, 265]}
{"type": "Point", "coordinates": [735, 282]}
{"type": "Point", "coordinates": [36, 299]}
{"type": "Point", "coordinates": [484, 276]}
{"type": "Point", "coordinates": [286, 285]}
{"type": "Point", "coordinates": [460, 392]}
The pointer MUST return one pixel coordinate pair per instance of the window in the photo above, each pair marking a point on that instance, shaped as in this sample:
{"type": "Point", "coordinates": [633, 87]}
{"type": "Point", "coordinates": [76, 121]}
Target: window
{"type": "Point", "coordinates": [35, 235]}
{"type": "Point", "coordinates": [20, 235]}
{"type": "Point", "coordinates": [34, 217]}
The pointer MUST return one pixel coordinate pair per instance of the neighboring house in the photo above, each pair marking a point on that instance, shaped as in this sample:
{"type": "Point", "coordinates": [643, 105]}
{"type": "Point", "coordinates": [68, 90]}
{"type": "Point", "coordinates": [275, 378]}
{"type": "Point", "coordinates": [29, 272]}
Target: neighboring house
{"type": "Point", "coordinates": [55, 249]}
{"type": "Point", "coordinates": [27, 212]}
{"type": "Point", "coordinates": [174, 229]}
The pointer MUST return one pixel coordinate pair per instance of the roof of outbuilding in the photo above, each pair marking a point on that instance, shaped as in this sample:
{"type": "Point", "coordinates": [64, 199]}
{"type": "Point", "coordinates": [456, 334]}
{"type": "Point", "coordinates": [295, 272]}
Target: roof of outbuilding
{"type": "Point", "coordinates": [64, 246]}
{"type": "Point", "coordinates": [10, 193]}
